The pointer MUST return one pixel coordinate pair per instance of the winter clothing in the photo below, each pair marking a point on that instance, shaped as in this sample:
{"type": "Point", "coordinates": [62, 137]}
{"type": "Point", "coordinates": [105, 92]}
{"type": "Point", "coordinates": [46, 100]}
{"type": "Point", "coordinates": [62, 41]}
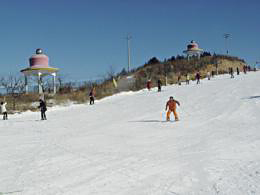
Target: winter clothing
{"type": "Point", "coordinates": [92, 96]}
{"type": "Point", "coordinates": [159, 82]}
{"type": "Point", "coordinates": [208, 75]}
{"type": "Point", "coordinates": [3, 110]}
{"type": "Point", "coordinates": [187, 79]}
{"type": "Point", "coordinates": [212, 73]}
{"type": "Point", "coordinates": [238, 71]}
{"type": "Point", "coordinates": [149, 85]}
{"type": "Point", "coordinates": [43, 108]}
{"type": "Point", "coordinates": [197, 76]}
{"type": "Point", "coordinates": [172, 104]}
{"type": "Point", "coordinates": [245, 69]}
{"type": "Point", "coordinates": [231, 71]}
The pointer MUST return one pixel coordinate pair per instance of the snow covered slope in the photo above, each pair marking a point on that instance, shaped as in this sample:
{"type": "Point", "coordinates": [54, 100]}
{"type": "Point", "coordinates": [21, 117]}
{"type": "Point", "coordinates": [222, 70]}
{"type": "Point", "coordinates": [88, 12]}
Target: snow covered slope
{"type": "Point", "coordinates": [121, 146]}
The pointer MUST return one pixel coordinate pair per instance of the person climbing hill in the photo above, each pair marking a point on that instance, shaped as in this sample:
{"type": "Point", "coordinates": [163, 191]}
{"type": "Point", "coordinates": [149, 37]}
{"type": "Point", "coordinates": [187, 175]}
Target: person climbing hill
{"type": "Point", "coordinates": [172, 104]}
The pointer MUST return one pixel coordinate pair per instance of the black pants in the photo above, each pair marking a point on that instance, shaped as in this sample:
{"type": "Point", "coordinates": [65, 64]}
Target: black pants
{"type": "Point", "coordinates": [91, 100]}
{"type": "Point", "coordinates": [5, 117]}
{"type": "Point", "coordinates": [43, 115]}
{"type": "Point", "coordinates": [159, 88]}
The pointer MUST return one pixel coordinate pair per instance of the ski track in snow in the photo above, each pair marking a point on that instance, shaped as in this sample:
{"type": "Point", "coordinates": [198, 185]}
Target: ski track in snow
{"type": "Point", "coordinates": [121, 145]}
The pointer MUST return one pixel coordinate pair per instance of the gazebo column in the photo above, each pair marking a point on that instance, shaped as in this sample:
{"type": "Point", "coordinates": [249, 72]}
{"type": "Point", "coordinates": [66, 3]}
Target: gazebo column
{"type": "Point", "coordinates": [26, 84]}
{"type": "Point", "coordinates": [39, 83]}
{"type": "Point", "coordinates": [54, 82]}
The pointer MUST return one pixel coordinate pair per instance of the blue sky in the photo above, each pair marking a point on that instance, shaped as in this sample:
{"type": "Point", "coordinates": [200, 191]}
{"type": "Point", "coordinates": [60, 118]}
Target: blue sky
{"type": "Point", "coordinates": [85, 37]}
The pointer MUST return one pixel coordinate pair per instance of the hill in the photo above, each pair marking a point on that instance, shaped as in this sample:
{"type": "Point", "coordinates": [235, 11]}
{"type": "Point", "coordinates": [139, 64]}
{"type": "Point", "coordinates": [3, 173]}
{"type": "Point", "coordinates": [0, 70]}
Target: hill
{"type": "Point", "coordinates": [168, 70]}
{"type": "Point", "coordinates": [121, 146]}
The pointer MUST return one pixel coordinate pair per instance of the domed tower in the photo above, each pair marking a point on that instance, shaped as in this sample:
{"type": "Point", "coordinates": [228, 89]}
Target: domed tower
{"type": "Point", "coordinates": [193, 50]}
{"type": "Point", "coordinates": [39, 66]}
{"type": "Point", "coordinates": [39, 59]}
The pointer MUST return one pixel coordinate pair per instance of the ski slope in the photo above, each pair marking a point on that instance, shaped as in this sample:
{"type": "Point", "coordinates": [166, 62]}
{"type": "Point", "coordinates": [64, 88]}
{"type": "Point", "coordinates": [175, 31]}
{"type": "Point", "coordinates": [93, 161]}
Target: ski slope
{"type": "Point", "coordinates": [120, 146]}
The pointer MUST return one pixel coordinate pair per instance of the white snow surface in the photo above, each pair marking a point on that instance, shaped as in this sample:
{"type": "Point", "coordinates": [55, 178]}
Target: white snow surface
{"type": "Point", "coordinates": [121, 146]}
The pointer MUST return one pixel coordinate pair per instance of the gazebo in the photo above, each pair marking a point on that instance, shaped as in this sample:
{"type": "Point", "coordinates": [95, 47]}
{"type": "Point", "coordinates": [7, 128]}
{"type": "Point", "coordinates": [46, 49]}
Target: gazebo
{"type": "Point", "coordinates": [193, 50]}
{"type": "Point", "coordinates": [39, 67]}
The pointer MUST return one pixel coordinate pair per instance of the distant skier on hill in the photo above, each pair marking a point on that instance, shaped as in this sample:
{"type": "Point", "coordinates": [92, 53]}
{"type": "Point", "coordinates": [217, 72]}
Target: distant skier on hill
{"type": "Point", "coordinates": [171, 104]}
{"type": "Point", "coordinates": [231, 72]}
{"type": "Point", "coordinates": [159, 84]}
{"type": "Point", "coordinates": [43, 108]}
{"type": "Point", "coordinates": [212, 73]}
{"type": "Point", "coordinates": [3, 110]}
{"type": "Point", "coordinates": [238, 71]}
{"type": "Point", "coordinates": [197, 76]}
{"type": "Point", "coordinates": [245, 69]}
{"type": "Point", "coordinates": [187, 79]}
{"type": "Point", "coordinates": [179, 79]}
{"type": "Point", "coordinates": [92, 96]}
{"type": "Point", "coordinates": [149, 84]}
{"type": "Point", "coordinates": [208, 75]}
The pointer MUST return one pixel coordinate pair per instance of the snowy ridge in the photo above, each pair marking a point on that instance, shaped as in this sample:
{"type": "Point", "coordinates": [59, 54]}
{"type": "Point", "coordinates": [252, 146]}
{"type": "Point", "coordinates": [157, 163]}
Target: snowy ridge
{"type": "Point", "coordinates": [121, 145]}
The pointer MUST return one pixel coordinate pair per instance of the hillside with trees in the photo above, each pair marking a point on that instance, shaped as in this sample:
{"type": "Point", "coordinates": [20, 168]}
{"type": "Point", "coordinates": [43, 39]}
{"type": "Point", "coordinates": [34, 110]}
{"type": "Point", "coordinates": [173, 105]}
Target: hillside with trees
{"type": "Point", "coordinates": [167, 71]}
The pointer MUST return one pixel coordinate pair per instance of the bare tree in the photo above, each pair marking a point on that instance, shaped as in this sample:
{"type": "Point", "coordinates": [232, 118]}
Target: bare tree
{"type": "Point", "coordinates": [111, 72]}
{"type": "Point", "coordinates": [14, 86]}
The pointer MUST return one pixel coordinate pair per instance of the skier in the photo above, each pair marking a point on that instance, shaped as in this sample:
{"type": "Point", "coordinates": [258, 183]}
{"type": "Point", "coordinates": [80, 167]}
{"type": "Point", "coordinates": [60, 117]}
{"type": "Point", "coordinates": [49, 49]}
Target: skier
{"type": "Point", "coordinates": [245, 69]}
{"type": "Point", "coordinates": [3, 110]}
{"type": "Point", "coordinates": [179, 79]}
{"type": "Point", "coordinates": [92, 96]}
{"type": "Point", "coordinates": [149, 85]}
{"type": "Point", "coordinates": [212, 73]}
{"type": "Point", "coordinates": [238, 71]}
{"type": "Point", "coordinates": [231, 72]}
{"type": "Point", "coordinates": [197, 76]}
{"type": "Point", "coordinates": [43, 108]}
{"type": "Point", "coordinates": [159, 83]}
{"type": "Point", "coordinates": [208, 75]}
{"type": "Point", "coordinates": [171, 104]}
{"type": "Point", "coordinates": [187, 79]}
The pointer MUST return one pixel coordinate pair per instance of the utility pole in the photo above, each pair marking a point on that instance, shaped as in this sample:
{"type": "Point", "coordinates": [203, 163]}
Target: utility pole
{"type": "Point", "coordinates": [226, 37]}
{"type": "Point", "coordinates": [128, 38]}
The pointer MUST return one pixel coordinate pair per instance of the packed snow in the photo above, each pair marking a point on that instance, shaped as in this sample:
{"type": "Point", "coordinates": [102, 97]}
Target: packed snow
{"type": "Point", "coordinates": [122, 144]}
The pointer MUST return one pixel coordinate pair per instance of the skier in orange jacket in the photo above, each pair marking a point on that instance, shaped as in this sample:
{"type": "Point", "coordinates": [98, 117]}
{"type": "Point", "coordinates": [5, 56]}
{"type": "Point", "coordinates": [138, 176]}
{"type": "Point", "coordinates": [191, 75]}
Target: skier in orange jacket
{"type": "Point", "coordinates": [171, 104]}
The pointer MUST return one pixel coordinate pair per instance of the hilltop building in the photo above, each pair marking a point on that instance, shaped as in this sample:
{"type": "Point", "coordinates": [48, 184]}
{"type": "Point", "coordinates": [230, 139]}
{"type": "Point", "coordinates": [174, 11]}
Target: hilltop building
{"type": "Point", "coordinates": [39, 67]}
{"type": "Point", "coordinates": [193, 50]}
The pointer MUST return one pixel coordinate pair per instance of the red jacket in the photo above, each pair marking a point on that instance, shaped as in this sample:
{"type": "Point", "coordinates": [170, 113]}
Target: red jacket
{"type": "Point", "coordinates": [172, 104]}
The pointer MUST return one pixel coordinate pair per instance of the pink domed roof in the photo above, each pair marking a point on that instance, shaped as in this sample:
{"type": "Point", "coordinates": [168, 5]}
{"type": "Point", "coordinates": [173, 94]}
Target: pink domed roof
{"type": "Point", "coordinates": [39, 60]}
{"type": "Point", "coordinates": [192, 46]}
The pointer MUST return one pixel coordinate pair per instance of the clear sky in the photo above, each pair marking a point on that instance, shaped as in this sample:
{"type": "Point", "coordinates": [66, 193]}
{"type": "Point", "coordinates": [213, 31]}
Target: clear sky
{"type": "Point", "coordinates": [85, 37]}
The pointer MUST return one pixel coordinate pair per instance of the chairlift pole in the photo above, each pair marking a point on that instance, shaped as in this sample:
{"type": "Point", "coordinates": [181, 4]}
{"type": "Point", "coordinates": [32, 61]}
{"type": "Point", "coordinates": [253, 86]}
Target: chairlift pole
{"type": "Point", "coordinates": [128, 38]}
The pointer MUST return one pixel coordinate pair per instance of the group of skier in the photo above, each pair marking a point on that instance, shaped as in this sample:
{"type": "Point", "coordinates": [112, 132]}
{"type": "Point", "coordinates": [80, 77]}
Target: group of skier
{"type": "Point", "coordinates": [170, 105]}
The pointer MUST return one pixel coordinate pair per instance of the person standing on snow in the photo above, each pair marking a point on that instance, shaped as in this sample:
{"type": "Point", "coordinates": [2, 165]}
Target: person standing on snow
{"type": "Point", "coordinates": [245, 69]}
{"type": "Point", "coordinates": [3, 110]}
{"type": "Point", "coordinates": [238, 71]}
{"type": "Point", "coordinates": [149, 85]}
{"type": "Point", "coordinates": [92, 96]}
{"type": "Point", "coordinates": [231, 72]}
{"type": "Point", "coordinates": [179, 79]}
{"type": "Point", "coordinates": [171, 104]}
{"type": "Point", "coordinates": [187, 79]}
{"type": "Point", "coordinates": [208, 75]}
{"type": "Point", "coordinates": [159, 84]}
{"type": "Point", "coordinates": [197, 76]}
{"type": "Point", "coordinates": [43, 108]}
